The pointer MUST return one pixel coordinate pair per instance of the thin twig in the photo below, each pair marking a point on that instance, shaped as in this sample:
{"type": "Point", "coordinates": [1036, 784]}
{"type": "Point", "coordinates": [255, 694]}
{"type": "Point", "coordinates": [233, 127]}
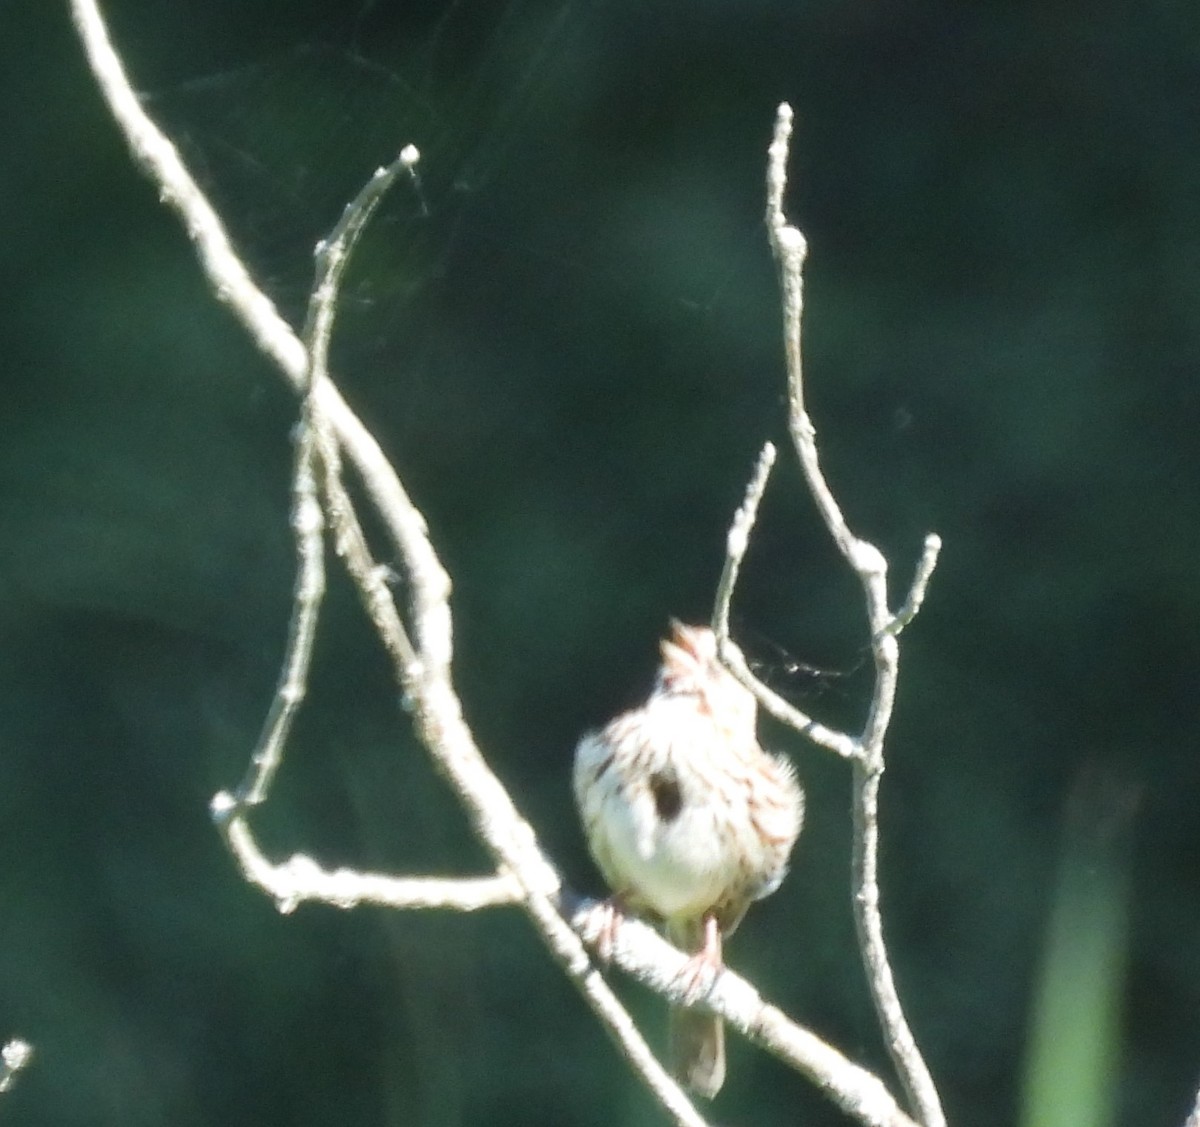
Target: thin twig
{"type": "Point", "coordinates": [422, 663]}
{"type": "Point", "coordinates": [738, 540]}
{"type": "Point", "coordinates": [333, 256]}
{"type": "Point", "coordinates": [290, 883]}
{"type": "Point", "coordinates": [350, 542]}
{"type": "Point", "coordinates": [309, 589]}
{"type": "Point", "coordinates": [233, 286]}
{"type": "Point", "coordinates": [867, 561]}
{"type": "Point", "coordinates": [426, 678]}
{"type": "Point", "coordinates": [730, 653]}
{"type": "Point", "coordinates": [313, 437]}
{"type": "Point", "coordinates": [916, 593]}
{"type": "Point", "coordinates": [423, 668]}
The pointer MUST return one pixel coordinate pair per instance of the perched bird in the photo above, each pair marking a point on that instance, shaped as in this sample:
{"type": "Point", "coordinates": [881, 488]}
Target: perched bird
{"type": "Point", "coordinates": [689, 820]}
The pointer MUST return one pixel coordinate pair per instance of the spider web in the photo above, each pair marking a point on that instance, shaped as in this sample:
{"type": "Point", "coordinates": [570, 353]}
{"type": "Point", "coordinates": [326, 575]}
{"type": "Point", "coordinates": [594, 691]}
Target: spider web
{"type": "Point", "coordinates": [281, 142]}
{"type": "Point", "coordinates": [566, 263]}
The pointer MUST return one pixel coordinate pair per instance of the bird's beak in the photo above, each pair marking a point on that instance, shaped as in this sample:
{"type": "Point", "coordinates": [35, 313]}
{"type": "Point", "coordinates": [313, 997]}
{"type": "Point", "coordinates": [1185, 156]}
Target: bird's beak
{"type": "Point", "coordinates": [682, 650]}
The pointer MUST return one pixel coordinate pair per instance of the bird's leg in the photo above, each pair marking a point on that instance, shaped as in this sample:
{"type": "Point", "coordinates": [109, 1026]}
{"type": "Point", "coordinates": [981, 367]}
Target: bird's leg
{"type": "Point", "coordinates": [706, 962]}
{"type": "Point", "coordinates": [614, 911]}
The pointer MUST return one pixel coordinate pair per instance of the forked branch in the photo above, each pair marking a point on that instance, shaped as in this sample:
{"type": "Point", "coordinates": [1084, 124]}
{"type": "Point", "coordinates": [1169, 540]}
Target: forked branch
{"type": "Point", "coordinates": [418, 641]}
{"type": "Point", "coordinates": [868, 563]}
{"type": "Point", "coordinates": [422, 665]}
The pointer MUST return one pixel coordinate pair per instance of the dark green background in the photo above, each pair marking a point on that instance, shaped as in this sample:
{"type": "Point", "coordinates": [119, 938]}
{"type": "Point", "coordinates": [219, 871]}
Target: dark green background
{"type": "Point", "coordinates": [570, 345]}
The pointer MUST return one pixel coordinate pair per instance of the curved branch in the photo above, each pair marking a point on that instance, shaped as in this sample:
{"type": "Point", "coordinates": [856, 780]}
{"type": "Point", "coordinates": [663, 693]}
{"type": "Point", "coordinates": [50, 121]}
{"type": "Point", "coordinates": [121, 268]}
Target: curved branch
{"type": "Point", "coordinates": [421, 654]}
{"type": "Point", "coordinates": [736, 544]}
{"type": "Point", "coordinates": [869, 564]}
{"type": "Point", "coordinates": [422, 668]}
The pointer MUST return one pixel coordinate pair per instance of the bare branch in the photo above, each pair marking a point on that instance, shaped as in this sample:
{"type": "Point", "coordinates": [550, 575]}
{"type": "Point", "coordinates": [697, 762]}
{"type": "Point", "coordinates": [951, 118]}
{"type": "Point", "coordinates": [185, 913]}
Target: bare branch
{"type": "Point", "coordinates": [789, 248]}
{"type": "Point", "coordinates": [423, 665]}
{"type": "Point", "coordinates": [307, 524]}
{"type": "Point", "coordinates": [640, 951]}
{"type": "Point", "coordinates": [232, 285]}
{"type": "Point", "coordinates": [730, 653]}
{"type": "Point", "coordinates": [916, 593]}
{"type": "Point", "coordinates": [307, 517]}
{"type": "Point", "coordinates": [291, 882]}
{"type": "Point", "coordinates": [333, 256]}
{"type": "Point", "coordinates": [738, 539]}
{"type": "Point", "coordinates": [422, 658]}
{"type": "Point", "coordinates": [427, 682]}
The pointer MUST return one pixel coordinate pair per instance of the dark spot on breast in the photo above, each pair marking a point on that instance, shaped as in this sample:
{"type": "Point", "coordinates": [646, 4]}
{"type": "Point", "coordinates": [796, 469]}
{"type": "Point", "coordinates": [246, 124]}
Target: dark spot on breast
{"type": "Point", "coordinates": [605, 764]}
{"type": "Point", "coordinates": [668, 800]}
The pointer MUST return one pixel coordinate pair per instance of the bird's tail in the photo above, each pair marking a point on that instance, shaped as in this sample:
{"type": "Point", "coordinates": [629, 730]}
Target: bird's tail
{"type": "Point", "coordinates": [697, 1040]}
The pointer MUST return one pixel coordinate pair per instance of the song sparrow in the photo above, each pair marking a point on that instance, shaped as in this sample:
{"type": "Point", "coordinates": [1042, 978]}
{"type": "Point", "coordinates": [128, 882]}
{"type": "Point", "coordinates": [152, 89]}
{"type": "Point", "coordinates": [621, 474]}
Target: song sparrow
{"type": "Point", "coordinates": [689, 820]}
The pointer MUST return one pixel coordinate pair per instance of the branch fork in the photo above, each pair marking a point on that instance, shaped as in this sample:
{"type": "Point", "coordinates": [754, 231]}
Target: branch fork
{"type": "Point", "coordinates": [418, 639]}
{"type": "Point", "coordinates": [864, 749]}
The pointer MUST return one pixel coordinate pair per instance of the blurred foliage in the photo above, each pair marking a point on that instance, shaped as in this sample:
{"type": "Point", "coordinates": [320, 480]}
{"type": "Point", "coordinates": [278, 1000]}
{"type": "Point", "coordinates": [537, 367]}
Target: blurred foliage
{"type": "Point", "coordinates": [569, 341]}
{"type": "Point", "coordinates": [1072, 1068]}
